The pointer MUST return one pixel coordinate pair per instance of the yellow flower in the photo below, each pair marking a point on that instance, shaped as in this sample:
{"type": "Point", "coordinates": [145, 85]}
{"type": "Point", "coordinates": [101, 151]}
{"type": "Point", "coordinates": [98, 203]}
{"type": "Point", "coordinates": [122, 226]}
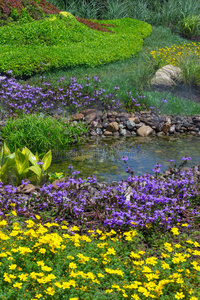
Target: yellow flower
{"type": "Point", "coordinates": [23, 277]}
{"type": "Point", "coordinates": [72, 265]}
{"type": "Point", "coordinates": [14, 213]}
{"type": "Point", "coordinates": [175, 231]}
{"type": "Point", "coordinates": [179, 295]}
{"type": "Point", "coordinates": [37, 217]}
{"type": "Point", "coordinates": [42, 250]}
{"type": "Point", "coordinates": [17, 285]}
{"type": "Point", "coordinates": [50, 291]}
{"type": "Point", "coordinates": [13, 267]}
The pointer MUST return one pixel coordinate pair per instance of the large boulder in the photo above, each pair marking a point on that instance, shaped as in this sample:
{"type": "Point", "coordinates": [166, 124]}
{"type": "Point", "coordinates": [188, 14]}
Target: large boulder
{"type": "Point", "coordinates": [167, 76]}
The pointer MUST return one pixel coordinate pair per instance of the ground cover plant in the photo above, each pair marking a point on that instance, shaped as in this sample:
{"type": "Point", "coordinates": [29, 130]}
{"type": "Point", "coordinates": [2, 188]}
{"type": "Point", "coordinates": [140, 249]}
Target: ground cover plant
{"type": "Point", "coordinates": [49, 44]}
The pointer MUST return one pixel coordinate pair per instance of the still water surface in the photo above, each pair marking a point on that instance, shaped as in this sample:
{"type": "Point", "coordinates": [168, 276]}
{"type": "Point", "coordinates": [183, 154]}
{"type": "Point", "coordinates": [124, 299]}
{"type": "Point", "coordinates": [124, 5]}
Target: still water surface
{"type": "Point", "coordinates": [102, 157]}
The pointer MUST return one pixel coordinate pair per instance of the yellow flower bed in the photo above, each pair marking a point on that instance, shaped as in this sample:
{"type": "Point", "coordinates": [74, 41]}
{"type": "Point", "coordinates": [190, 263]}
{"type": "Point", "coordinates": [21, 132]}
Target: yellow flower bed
{"type": "Point", "coordinates": [173, 54]}
{"type": "Point", "coordinates": [51, 261]}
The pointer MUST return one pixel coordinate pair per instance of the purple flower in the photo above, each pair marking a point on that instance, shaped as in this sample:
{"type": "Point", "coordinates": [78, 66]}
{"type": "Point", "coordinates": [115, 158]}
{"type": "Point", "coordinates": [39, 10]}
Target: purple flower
{"type": "Point", "coordinates": [186, 158]}
{"type": "Point", "coordinates": [40, 163]}
{"type": "Point", "coordinates": [124, 158]}
{"type": "Point", "coordinates": [164, 101]}
{"type": "Point", "coordinates": [116, 87]}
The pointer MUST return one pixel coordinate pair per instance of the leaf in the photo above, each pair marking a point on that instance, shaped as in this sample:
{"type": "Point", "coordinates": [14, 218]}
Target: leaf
{"type": "Point", "coordinates": [31, 157]}
{"type": "Point", "coordinates": [6, 150]}
{"type": "Point", "coordinates": [36, 169]}
{"type": "Point", "coordinates": [22, 163]}
{"type": "Point", "coordinates": [47, 160]}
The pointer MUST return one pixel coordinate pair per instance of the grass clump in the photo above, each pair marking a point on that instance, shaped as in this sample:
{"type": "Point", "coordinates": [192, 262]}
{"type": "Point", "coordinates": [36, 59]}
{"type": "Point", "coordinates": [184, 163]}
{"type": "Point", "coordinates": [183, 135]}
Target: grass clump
{"type": "Point", "coordinates": [41, 133]}
{"type": "Point", "coordinates": [60, 42]}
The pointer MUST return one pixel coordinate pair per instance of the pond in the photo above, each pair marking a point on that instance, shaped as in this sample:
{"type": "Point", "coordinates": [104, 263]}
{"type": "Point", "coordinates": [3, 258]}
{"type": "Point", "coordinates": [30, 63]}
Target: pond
{"type": "Point", "coordinates": [102, 157]}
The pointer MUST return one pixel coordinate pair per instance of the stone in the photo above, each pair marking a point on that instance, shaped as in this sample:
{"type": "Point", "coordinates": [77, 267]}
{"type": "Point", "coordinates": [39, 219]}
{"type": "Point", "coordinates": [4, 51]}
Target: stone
{"type": "Point", "coordinates": [166, 127]}
{"type": "Point", "coordinates": [90, 117]}
{"type": "Point", "coordinates": [122, 132]}
{"type": "Point", "coordinates": [87, 111]}
{"type": "Point", "coordinates": [116, 133]}
{"type": "Point", "coordinates": [26, 189]}
{"type": "Point", "coordinates": [113, 126]}
{"type": "Point", "coordinates": [121, 126]}
{"type": "Point", "coordinates": [99, 131]}
{"type": "Point", "coordinates": [172, 129]}
{"type": "Point", "coordinates": [133, 133]}
{"type": "Point", "coordinates": [93, 132]}
{"type": "Point", "coordinates": [130, 124]}
{"type": "Point", "coordinates": [77, 117]}
{"type": "Point", "coordinates": [167, 76]}
{"type": "Point", "coordinates": [55, 182]}
{"type": "Point", "coordinates": [108, 133]}
{"type": "Point", "coordinates": [144, 130]}
{"type": "Point", "coordinates": [160, 134]}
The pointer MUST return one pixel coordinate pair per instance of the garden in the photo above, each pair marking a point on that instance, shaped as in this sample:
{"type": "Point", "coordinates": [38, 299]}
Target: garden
{"type": "Point", "coordinates": [75, 71]}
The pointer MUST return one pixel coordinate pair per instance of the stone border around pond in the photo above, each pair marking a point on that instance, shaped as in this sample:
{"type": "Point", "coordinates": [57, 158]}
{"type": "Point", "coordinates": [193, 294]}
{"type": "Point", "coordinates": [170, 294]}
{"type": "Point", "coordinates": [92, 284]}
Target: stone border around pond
{"type": "Point", "coordinates": [143, 123]}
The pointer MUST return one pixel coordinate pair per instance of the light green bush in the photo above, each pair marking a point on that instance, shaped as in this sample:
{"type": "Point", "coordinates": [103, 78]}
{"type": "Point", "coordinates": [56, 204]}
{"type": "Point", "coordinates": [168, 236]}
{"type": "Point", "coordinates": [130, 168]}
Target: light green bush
{"type": "Point", "coordinates": [60, 42]}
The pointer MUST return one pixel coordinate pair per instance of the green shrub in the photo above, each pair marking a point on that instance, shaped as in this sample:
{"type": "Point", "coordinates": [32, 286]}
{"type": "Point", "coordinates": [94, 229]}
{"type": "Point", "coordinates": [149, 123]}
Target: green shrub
{"type": "Point", "coordinates": [60, 42]}
{"type": "Point", "coordinates": [41, 133]}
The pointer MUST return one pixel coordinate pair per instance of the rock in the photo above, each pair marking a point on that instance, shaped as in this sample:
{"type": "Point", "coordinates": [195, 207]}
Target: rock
{"type": "Point", "coordinates": [167, 76]}
{"type": "Point", "coordinates": [93, 132]}
{"type": "Point", "coordinates": [160, 134]}
{"type": "Point", "coordinates": [87, 111]}
{"type": "Point", "coordinates": [26, 189]}
{"type": "Point", "coordinates": [172, 129]}
{"type": "Point", "coordinates": [58, 181]}
{"type": "Point", "coordinates": [133, 133]}
{"type": "Point", "coordinates": [130, 124]}
{"type": "Point", "coordinates": [122, 132]}
{"type": "Point", "coordinates": [99, 131]}
{"type": "Point", "coordinates": [113, 126]}
{"type": "Point", "coordinates": [108, 133]}
{"type": "Point", "coordinates": [144, 130]}
{"type": "Point", "coordinates": [121, 126]}
{"type": "Point", "coordinates": [77, 117]}
{"type": "Point", "coordinates": [116, 133]}
{"type": "Point", "coordinates": [90, 117]}
{"type": "Point", "coordinates": [166, 127]}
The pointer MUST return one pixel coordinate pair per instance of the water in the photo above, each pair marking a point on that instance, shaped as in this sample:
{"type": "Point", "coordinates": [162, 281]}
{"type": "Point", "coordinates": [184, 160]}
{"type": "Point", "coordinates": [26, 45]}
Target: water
{"type": "Point", "coordinates": [102, 157]}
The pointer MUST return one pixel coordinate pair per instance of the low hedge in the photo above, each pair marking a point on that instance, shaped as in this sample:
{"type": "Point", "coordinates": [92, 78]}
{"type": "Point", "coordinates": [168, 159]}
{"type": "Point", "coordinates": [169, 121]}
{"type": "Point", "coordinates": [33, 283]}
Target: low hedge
{"type": "Point", "coordinates": [61, 41]}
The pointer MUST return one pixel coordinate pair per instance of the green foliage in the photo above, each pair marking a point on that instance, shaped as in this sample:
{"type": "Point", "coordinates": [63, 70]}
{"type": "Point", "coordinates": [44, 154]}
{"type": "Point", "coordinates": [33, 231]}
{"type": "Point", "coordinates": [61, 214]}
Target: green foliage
{"type": "Point", "coordinates": [60, 42]}
{"type": "Point", "coordinates": [19, 161]}
{"type": "Point", "coordinates": [190, 26]}
{"type": "Point", "coordinates": [41, 133]}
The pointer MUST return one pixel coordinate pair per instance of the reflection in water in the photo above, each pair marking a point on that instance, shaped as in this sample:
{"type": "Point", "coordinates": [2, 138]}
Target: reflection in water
{"type": "Point", "coordinates": [103, 157]}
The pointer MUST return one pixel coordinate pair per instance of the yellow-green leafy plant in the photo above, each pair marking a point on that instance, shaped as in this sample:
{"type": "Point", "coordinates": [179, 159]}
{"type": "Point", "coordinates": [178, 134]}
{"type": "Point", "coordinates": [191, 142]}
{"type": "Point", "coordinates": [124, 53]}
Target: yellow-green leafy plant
{"type": "Point", "coordinates": [17, 165]}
